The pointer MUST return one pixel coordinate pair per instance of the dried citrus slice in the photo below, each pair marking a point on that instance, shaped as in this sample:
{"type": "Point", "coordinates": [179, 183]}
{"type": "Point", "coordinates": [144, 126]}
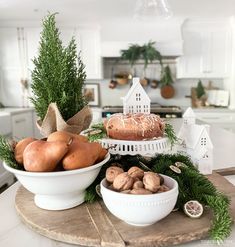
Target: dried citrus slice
{"type": "Point", "coordinates": [175, 169]}
{"type": "Point", "coordinates": [180, 164]}
{"type": "Point", "coordinates": [193, 209]}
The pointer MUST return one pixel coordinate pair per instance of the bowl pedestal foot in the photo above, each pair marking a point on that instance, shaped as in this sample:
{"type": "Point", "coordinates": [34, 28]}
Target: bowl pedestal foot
{"type": "Point", "coordinates": [60, 201]}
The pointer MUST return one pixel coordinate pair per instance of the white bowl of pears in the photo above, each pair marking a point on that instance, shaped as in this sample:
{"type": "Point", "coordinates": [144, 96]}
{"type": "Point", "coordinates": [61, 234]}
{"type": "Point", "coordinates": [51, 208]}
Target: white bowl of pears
{"type": "Point", "coordinates": [59, 169]}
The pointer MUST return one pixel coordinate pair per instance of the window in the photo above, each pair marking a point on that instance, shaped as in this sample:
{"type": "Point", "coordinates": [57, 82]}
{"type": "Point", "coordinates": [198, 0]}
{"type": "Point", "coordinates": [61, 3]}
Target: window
{"type": "Point", "coordinates": [203, 141]}
{"type": "Point", "coordinates": [130, 109]}
{"type": "Point", "coordinates": [137, 96]}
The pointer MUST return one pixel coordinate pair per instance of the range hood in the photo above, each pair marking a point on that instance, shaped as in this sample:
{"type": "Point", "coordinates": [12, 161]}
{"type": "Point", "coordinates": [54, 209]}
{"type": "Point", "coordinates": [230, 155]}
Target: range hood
{"type": "Point", "coordinates": [167, 49]}
{"type": "Point", "coordinates": [166, 34]}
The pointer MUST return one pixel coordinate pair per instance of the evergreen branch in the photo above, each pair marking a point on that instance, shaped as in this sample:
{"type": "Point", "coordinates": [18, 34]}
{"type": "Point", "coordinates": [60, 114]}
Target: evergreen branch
{"type": "Point", "coordinates": [222, 221]}
{"type": "Point", "coordinates": [7, 154]}
{"type": "Point", "coordinates": [98, 136]}
{"type": "Point", "coordinates": [170, 133]}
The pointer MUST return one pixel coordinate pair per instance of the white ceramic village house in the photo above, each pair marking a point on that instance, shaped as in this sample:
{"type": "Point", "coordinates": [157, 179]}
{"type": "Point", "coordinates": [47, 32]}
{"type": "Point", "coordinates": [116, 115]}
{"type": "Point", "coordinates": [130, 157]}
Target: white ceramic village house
{"type": "Point", "coordinates": [136, 99]}
{"type": "Point", "coordinates": [195, 141]}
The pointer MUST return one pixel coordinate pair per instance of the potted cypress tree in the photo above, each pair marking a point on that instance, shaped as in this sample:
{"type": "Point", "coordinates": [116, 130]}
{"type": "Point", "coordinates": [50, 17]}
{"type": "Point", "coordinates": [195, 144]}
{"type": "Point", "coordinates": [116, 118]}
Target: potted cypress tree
{"type": "Point", "coordinates": [167, 89]}
{"type": "Point", "coordinates": [57, 83]}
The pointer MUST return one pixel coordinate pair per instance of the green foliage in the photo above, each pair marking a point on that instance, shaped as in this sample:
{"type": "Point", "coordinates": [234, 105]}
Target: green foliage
{"type": "Point", "coordinates": [58, 75]}
{"type": "Point", "coordinates": [166, 76]}
{"type": "Point", "coordinates": [98, 136]}
{"type": "Point", "coordinates": [192, 186]}
{"type": "Point", "coordinates": [132, 54]}
{"type": "Point", "coordinates": [147, 52]}
{"type": "Point", "coordinates": [222, 221]}
{"type": "Point", "coordinates": [7, 153]}
{"type": "Point", "coordinates": [200, 91]}
{"type": "Point", "coordinates": [170, 133]}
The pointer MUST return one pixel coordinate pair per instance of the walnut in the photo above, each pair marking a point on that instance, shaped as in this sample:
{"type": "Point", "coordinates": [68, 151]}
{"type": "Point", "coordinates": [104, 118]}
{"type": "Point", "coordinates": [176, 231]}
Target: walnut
{"type": "Point", "coordinates": [138, 184]}
{"type": "Point", "coordinates": [136, 172]}
{"type": "Point", "coordinates": [123, 182]}
{"type": "Point", "coordinates": [161, 179]}
{"type": "Point", "coordinates": [163, 188]}
{"type": "Point", "coordinates": [140, 191]}
{"type": "Point", "coordinates": [151, 181]}
{"type": "Point", "coordinates": [112, 172]}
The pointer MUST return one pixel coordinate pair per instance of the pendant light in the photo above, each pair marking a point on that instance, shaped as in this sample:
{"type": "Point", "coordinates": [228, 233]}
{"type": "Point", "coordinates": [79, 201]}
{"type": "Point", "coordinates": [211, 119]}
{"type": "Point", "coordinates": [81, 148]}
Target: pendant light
{"type": "Point", "coordinates": [151, 9]}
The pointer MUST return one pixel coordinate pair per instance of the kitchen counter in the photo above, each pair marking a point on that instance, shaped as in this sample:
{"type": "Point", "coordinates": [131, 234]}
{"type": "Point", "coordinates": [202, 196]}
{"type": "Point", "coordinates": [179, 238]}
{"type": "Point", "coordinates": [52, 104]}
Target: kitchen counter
{"type": "Point", "coordinates": [14, 233]}
{"type": "Point", "coordinates": [14, 110]}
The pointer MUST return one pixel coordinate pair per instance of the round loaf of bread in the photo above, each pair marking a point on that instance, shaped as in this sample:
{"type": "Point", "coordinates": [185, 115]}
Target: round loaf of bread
{"type": "Point", "coordinates": [134, 126]}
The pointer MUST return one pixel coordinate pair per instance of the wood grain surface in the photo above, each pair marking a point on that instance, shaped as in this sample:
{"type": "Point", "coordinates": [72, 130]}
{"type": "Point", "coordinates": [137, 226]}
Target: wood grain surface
{"type": "Point", "coordinates": [94, 225]}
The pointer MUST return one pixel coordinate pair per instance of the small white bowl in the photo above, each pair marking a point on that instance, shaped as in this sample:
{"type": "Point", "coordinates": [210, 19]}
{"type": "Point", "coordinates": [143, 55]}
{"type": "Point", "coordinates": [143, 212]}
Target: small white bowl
{"type": "Point", "coordinates": [141, 210]}
{"type": "Point", "coordinates": [58, 190]}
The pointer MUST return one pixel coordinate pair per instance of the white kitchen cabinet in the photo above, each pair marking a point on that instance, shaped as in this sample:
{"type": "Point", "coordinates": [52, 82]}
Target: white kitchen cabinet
{"type": "Point", "coordinates": [91, 52]}
{"type": "Point", "coordinates": [22, 125]}
{"type": "Point", "coordinates": [207, 50]}
{"type": "Point", "coordinates": [9, 50]}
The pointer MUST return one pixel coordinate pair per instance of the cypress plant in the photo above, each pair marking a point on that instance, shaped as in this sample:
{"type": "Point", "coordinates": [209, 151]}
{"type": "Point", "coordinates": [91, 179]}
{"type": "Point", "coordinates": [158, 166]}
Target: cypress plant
{"type": "Point", "coordinates": [59, 75]}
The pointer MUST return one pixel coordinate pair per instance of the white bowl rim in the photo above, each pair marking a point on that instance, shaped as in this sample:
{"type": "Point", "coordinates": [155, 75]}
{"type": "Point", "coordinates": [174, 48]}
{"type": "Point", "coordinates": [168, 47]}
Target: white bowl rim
{"type": "Point", "coordinates": [175, 187]}
{"type": "Point", "coordinates": [57, 173]}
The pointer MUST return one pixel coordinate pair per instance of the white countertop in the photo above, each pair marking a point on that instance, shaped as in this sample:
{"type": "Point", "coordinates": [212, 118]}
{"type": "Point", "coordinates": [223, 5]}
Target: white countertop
{"type": "Point", "coordinates": [14, 110]}
{"type": "Point", "coordinates": [13, 233]}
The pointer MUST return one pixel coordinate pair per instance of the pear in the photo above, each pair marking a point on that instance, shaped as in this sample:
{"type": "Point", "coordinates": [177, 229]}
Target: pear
{"type": "Point", "coordinates": [65, 136]}
{"type": "Point", "coordinates": [20, 147]}
{"type": "Point", "coordinates": [102, 154]}
{"type": "Point", "coordinates": [43, 156]}
{"type": "Point", "coordinates": [81, 154]}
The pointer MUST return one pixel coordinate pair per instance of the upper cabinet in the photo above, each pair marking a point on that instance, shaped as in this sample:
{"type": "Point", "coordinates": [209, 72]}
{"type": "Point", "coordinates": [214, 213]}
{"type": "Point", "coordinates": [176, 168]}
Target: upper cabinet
{"type": "Point", "coordinates": [207, 49]}
{"type": "Point", "coordinates": [89, 40]}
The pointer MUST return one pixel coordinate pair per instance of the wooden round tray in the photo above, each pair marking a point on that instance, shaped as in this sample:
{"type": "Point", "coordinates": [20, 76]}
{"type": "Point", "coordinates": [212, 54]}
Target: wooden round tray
{"type": "Point", "coordinates": [94, 225]}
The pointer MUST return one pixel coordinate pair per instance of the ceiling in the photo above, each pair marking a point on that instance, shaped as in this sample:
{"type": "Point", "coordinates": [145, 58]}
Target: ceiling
{"type": "Point", "coordinates": [100, 11]}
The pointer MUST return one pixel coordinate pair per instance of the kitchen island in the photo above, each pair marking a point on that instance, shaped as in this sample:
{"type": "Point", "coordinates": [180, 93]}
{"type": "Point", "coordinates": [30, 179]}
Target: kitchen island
{"type": "Point", "coordinates": [15, 233]}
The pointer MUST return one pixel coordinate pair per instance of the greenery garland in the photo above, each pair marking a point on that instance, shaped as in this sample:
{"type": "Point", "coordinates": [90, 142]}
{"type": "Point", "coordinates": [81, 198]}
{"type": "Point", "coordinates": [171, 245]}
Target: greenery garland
{"type": "Point", "coordinates": [192, 186]}
{"type": "Point", "coordinates": [7, 153]}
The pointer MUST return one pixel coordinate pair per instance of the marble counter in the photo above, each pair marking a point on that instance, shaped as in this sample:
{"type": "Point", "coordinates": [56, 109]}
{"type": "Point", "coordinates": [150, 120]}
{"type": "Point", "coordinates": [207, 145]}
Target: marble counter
{"type": "Point", "coordinates": [13, 233]}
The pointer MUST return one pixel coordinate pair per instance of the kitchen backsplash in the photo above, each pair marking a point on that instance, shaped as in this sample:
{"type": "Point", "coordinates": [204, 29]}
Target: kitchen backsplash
{"type": "Point", "coordinates": [182, 88]}
{"type": "Point", "coordinates": [12, 96]}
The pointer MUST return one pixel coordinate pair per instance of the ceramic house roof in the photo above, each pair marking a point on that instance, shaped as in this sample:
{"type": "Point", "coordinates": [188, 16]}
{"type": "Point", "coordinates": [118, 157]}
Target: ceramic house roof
{"type": "Point", "coordinates": [192, 134]}
{"type": "Point", "coordinates": [136, 87]}
{"type": "Point", "coordinates": [189, 113]}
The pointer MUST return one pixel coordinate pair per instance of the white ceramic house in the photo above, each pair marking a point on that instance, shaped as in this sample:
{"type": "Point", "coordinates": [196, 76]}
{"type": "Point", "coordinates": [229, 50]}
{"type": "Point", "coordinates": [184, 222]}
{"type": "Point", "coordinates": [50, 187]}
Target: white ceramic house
{"type": "Point", "coordinates": [136, 99]}
{"type": "Point", "coordinates": [195, 141]}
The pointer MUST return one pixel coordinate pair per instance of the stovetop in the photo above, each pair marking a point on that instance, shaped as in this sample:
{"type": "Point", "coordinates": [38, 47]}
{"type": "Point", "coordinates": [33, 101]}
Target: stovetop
{"type": "Point", "coordinates": [155, 108]}
{"type": "Point", "coordinates": [162, 111]}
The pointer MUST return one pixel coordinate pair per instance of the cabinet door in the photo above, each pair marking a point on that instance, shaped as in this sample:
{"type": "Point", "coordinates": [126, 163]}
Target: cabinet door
{"type": "Point", "coordinates": [90, 52]}
{"type": "Point", "coordinates": [22, 125]}
{"type": "Point", "coordinates": [216, 56]}
{"type": "Point", "coordinates": [11, 90]}
{"type": "Point", "coordinates": [9, 50]}
{"type": "Point", "coordinates": [206, 51]}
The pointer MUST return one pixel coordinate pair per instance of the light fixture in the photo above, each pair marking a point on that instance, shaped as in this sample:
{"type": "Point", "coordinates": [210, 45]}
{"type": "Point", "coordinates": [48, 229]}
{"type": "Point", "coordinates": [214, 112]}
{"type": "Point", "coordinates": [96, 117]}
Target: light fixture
{"type": "Point", "coordinates": [150, 9]}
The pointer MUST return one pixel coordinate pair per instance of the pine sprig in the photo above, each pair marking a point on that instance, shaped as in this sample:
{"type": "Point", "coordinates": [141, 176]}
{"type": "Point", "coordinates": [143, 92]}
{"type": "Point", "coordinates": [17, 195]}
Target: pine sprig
{"type": "Point", "coordinates": [222, 220]}
{"type": "Point", "coordinates": [170, 133]}
{"type": "Point", "coordinates": [7, 153]}
{"type": "Point", "coordinates": [58, 75]}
